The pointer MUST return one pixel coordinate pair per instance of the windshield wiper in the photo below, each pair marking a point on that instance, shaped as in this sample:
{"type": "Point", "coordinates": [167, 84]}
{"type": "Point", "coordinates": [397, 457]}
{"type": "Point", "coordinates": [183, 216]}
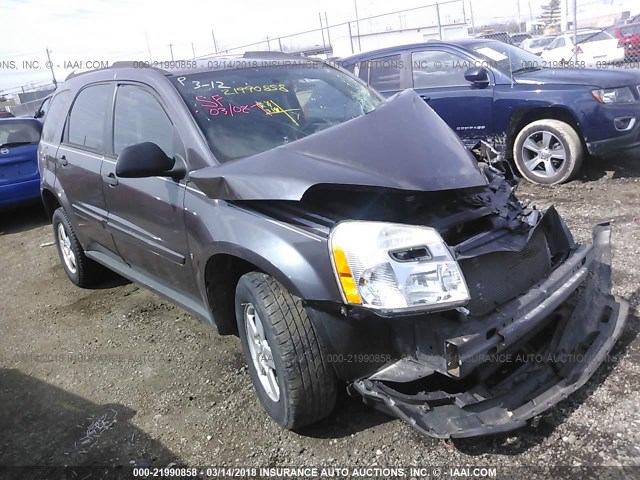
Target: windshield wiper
{"type": "Point", "coordinates": [525, 69]}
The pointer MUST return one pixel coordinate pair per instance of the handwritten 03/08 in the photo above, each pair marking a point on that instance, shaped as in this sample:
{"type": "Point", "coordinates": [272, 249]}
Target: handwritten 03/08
{"type": "Point", "coordinates": [215, 107]}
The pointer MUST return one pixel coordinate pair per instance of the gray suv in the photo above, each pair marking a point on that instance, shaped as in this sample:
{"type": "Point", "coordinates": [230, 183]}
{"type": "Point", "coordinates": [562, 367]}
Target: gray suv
{"type": "Point", "coordinates": [347, 240]}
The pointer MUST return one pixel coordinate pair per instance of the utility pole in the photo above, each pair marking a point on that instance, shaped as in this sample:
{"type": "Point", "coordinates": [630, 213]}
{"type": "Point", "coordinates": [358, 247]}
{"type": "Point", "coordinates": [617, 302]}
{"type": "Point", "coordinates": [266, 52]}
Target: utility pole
{"type": "Point", "coordinates": [324, 44]}
{"type": "Point", "coordinates": [193, 50]}
{"type": "Point", "coordinates": [355, 3]}
{"type": "Point", "coordinates": [326, 22]}
{"type": "Point", "coordinates": [215, 45]}
{"type": "Point", "coordinates": [575, 28]}
{"type": "Point", "coordinates": [268, 43]}
{"type": "Point", "coordinates": [148, 47]}
{"type": "Point", "coordinates": [171, 49]}
{"type": "Point", "coordinates": [50, 63]}
{"type": "Point", "coordinates": [439, 24]}
{"type": "Point", "coordinates": [519, 17]}
{"type": "Point", "coordinates": [464, 12]}
{"type": "Point", "coordinates": [473, 23]}
{"type": "Point", "coordinates": [350, 38]}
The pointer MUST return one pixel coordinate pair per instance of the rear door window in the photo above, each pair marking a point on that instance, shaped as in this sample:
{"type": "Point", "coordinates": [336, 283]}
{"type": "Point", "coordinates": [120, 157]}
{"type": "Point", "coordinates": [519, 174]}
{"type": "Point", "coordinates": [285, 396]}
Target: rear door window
{"type": "Point", "coordinates": [384, 73]}
{"type": "Point", "coordinates": [87, 118]}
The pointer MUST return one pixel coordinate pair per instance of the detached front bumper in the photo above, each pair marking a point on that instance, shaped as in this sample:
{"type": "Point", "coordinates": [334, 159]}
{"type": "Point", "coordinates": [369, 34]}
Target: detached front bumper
{"type": "Point", "coordinates": [522, 371]}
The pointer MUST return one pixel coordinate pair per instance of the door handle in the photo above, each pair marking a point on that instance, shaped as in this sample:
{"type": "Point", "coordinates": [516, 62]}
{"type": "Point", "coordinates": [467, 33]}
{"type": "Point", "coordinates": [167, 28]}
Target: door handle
{"type": "Point", "coordinates": [63, 161]}
{"type": "Point", "coordinates": [110, 179]}
{"type": "Point", "coordinates": [425, 98]}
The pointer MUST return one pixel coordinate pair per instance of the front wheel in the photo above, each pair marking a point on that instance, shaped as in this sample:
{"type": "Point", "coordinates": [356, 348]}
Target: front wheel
{"type": "Point", "coordinates": [548, 152]}
{"type": "Point", "coordinates": [292, 378]}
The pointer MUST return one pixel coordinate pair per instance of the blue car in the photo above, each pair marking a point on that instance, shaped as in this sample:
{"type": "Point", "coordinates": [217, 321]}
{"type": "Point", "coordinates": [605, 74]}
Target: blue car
{"type": "Point", "coordinates": [547, 117]}
{"type": "Point", "coordinates": [19, 178]}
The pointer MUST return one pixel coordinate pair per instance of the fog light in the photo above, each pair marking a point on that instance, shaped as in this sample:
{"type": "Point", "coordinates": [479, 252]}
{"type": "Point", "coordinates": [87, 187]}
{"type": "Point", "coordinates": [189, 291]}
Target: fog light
{"type": "Point", "coordinates": [624, 124]}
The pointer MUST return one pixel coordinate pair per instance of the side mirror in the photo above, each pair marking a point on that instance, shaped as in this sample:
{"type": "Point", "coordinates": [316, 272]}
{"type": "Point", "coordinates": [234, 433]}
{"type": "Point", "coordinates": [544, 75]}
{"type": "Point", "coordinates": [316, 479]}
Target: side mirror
{"type": "Point", "coordinates": [478, 76]}
{"type": "Point", "coordinates": [145, 159]}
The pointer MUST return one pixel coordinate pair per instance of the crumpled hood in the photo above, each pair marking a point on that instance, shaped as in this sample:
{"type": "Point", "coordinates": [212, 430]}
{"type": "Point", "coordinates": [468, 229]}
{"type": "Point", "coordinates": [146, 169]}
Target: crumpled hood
{"type": "Point", "coordinates": [403, 144]}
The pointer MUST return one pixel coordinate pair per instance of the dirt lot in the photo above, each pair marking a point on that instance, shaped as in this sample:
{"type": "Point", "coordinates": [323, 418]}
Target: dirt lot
{"type": "Point", "coordinates": [75, 362]}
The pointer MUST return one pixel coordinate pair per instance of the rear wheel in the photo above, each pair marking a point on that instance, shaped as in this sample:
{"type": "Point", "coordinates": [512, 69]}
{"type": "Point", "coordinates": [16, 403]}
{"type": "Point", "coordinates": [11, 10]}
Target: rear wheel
{"type": "Point", "coordinates": [292, 378]}
{"type": "Point", "coordinates": [548, 152]}
{"type": "Point", "coordinates": [81, 270]}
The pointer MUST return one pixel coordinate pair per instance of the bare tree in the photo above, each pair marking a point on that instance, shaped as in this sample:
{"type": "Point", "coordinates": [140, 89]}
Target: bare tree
{"type": "Point", "coordinates": [550, 13]}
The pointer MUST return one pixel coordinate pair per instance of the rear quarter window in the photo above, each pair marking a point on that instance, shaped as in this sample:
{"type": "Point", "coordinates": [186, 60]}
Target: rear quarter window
{"type": "Point", "coordinates": [56, 114]}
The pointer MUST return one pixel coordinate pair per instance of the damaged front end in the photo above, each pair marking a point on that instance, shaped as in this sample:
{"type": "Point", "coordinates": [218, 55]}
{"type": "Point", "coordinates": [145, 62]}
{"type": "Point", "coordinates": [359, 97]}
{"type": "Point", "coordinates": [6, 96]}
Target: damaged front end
{"type": "Point", "coordinates": [540, 319]}
{"type": "Point", "coordinates": [515, 363]}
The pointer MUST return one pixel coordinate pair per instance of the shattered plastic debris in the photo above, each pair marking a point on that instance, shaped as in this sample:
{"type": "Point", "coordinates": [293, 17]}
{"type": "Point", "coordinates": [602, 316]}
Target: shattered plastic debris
{"type": "Point", "coordinates": [95, 430]}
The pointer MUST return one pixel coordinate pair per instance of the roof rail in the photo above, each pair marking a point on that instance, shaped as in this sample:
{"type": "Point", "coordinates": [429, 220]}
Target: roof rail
{"type": "Point", "coordinates": [120, 64]}
{"type": "Point", "coordinates": [75, 74]}
{"type": "Point", "coordinates": [126, 64]}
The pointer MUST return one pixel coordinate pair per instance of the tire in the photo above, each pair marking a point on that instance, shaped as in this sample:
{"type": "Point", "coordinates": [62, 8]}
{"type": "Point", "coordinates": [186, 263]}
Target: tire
{"type": "Point", "coordinates": [298, 386]}
{"type": "Point", "coordinates": [555, 145]}
{"type": "Point", "coordinates": [82, 271]}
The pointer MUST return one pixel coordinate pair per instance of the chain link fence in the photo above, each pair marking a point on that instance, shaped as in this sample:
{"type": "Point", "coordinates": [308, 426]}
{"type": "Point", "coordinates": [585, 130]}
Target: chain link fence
{"type": "Point", "coordinates": [606, 32]}
{"type": "Point", "coordinates": [446, 20]}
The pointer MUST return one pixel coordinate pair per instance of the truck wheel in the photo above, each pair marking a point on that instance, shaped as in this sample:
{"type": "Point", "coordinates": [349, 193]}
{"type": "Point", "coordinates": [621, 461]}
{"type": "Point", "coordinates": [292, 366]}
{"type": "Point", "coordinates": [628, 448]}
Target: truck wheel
{"type": "Point", "coordinates": [81, 270]}
{"type": "Point", "coordinates": [294, 382]}
{"type": "Point", "coordinates": [548, 152]}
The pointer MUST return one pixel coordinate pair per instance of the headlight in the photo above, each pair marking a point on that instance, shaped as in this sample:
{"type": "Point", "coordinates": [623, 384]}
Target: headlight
{"type": "Point", "coordinates": [614, 95]}
{"type": "Point", "coordinates": [390, 266]}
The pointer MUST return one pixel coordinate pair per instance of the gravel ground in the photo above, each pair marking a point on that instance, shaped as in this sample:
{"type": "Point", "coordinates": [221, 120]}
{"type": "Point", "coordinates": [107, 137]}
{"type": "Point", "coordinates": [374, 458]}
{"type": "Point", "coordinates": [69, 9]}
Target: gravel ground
{"type": "Point", "coordinates": [116, 375]}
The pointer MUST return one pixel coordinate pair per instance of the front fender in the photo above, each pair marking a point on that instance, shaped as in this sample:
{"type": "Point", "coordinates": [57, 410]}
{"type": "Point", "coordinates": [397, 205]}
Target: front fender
{"type": "Point", "coordinates": [296, 258]}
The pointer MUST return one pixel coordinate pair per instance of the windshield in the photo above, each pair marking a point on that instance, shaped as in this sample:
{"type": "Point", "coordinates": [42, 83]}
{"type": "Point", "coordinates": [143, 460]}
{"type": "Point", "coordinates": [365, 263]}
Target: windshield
{"type": "Point", "coordinates": [507, 58]}
{"type": "Point", "coordinates": [630, 29]}
{"type": "Point", "coordinates": [243, 112]}
{"type": "Point", "coordinates": [592, 37]}
{"type": "Point", "coordinates": [541, 42]}
{"type": "Point", "coordinates": [18, 133]}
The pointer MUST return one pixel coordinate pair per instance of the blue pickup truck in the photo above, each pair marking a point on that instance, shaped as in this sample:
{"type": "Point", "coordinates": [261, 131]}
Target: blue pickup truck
{"type": "Point", "coordinates": [548, 117]}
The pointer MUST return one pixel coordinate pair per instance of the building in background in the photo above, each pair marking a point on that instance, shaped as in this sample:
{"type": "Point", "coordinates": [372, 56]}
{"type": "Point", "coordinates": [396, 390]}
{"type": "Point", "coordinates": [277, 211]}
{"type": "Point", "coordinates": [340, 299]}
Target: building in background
{"type": "Point", "coordinates": [597, 13]}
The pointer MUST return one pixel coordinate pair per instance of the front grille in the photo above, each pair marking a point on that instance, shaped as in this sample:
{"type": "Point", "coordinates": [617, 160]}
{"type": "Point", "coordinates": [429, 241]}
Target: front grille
{"type": "Point", "coordinates": [497, 277]}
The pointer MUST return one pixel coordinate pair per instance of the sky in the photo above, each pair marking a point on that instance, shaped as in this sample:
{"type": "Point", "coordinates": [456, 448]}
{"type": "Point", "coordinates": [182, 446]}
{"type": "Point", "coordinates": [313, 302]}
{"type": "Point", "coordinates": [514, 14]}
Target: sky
{"type": "Point", "coordinates": [110, 30]}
